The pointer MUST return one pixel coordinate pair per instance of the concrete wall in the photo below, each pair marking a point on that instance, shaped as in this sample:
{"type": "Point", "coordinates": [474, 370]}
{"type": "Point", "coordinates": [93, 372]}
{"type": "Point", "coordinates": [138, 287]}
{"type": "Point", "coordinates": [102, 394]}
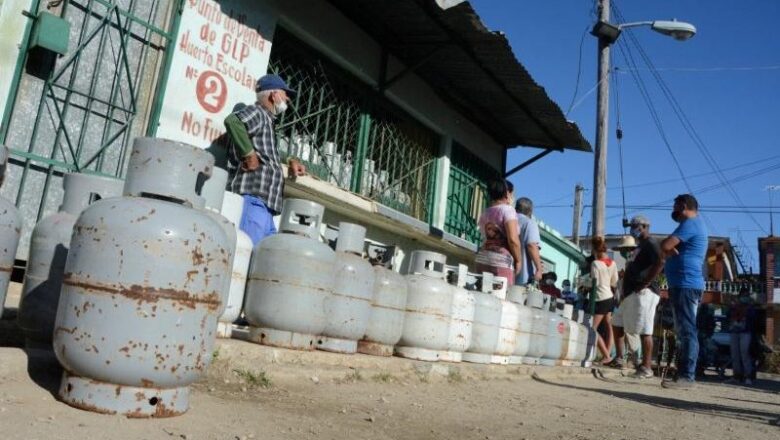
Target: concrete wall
{"type": "Point", "coordinates": [558, 250]}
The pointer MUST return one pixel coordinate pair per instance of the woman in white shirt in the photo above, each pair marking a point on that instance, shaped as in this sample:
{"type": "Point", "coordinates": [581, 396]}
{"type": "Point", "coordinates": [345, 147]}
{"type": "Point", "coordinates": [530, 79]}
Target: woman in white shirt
{"type": "Point", "coordinates": [605, 277]}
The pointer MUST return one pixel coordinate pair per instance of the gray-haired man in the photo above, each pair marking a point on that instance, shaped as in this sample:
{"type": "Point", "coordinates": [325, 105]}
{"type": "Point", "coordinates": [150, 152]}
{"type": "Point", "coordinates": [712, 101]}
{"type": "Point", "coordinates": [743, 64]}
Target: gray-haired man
{"type": "Point", "coordinates": [636, 314]}
{"type": "Point", "coordinates": [529, 243]}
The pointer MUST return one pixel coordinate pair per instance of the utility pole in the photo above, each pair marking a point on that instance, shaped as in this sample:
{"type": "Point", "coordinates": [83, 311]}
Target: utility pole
{"type": "Point", "coordinates": [771, 189]}
{"type": "Point", "coordinates": [602, 127]}
{"type": "Point", "coordinates": [575, 227]}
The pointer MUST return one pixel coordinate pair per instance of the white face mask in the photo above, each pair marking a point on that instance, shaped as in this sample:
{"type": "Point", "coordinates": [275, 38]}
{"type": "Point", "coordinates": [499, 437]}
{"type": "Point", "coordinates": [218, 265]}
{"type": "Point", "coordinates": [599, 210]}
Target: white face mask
{"type": "Point", "coordinates": [280, 107]}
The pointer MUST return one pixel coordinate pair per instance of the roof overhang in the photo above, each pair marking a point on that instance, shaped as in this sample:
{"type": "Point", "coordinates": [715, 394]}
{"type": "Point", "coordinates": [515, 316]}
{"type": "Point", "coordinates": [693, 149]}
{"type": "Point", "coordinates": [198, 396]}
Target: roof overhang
{"type": "Point", "coordinates": [462, 60]}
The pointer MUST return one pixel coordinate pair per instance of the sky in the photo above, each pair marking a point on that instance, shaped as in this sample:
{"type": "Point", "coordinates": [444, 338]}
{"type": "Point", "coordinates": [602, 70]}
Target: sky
{"type": "Point", "coordinates": [726, 80]}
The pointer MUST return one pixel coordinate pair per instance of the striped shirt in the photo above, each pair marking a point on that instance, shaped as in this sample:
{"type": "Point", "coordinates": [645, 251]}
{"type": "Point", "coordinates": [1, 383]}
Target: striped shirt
{"type": "Point", "coordinates": [267, 181]}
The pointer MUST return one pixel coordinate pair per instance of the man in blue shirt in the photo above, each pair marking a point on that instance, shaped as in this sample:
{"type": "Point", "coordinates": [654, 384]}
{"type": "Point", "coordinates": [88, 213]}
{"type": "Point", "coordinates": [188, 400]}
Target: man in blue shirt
{"type": "Point", "coordinates": [685, 250]}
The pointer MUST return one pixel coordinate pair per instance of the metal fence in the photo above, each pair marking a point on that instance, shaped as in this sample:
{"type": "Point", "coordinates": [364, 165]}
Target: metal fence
{"type": "Point", "coordinates": [467, 193]}
{"type": "Point", "coordinates": [81, 114]}
{"type": "Point", "coordinates": [349, 135]}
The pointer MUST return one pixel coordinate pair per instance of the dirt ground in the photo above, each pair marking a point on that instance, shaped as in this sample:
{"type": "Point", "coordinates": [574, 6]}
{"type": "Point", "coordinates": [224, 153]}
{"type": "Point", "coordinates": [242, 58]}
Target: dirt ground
{"type": "Point", "coordinates": [231, 405]}
{"type": "Point", "coordinates": [252, 392]}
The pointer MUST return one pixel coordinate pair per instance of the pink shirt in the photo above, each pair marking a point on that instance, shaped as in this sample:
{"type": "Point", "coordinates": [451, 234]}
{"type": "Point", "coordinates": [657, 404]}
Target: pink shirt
{"type": "Point", "coordinates": [492, 226]}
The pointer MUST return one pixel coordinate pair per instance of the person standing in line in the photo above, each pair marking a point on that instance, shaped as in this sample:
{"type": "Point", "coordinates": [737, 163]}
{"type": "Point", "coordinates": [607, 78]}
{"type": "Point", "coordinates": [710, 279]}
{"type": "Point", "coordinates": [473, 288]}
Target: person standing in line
{"type": "Point", "coordinates": [685, 250]}
{"type": "Point", "coordinates": [254, 168]}
{"type": "Point", "coordinates": [548, 285]}
{"type": "Point", "coordinates": [604, 273]}
{"type": "Point", "coordinates": [567, 294]}
{"type": "Point", "coordinates": [636, 314]}
{"type": "Point", "coordinates": [500, 251]}
{"type": "Point", "coordinates": [742, 321]}
{"type": "Point", "coordinates": [530, 242]}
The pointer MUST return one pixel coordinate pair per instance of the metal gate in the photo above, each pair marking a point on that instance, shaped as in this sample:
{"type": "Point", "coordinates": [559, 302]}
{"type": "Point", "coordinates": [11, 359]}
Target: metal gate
{"type": "Point", "coordinates": [466, 193]}
{"type": "Point", "coordinates": [350, 135]}
{"type": "Point", "coordinates": [82, 114]}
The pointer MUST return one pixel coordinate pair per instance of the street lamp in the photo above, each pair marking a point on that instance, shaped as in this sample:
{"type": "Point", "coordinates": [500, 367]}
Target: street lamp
{"type": "Point", "coordinates": [608, 33]}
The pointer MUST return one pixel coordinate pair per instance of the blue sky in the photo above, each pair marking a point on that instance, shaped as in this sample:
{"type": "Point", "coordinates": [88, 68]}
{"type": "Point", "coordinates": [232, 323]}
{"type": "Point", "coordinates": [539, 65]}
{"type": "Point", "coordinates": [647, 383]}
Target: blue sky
{"type": "Point", "coordinates": [726, 80]}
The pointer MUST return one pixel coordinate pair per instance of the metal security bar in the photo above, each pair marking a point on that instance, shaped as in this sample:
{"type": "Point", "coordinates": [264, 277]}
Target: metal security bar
{"type": "Point", "coordinates": [94, 101]}
{"type": "Point", "coordinates": [399, 168]}
{"type": "Point", "coordinates": [350, 136]}
{"type": "Point", "coordinates": [466, 194]}
{"type": "Point", "coordinates": [323, 124]}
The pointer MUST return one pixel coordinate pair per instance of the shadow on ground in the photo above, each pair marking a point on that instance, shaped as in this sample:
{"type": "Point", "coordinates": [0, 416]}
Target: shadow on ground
{"type": "Point", "coordinates": [42, 365]}
{"type": "Point", "coordinates": [704, 408]}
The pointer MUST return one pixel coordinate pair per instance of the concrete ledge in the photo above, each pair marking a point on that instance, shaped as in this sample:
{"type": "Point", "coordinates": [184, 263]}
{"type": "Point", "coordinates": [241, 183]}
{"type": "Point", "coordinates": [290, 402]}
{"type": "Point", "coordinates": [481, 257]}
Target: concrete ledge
{"type": "Point", "coordinates": [283, 364]}
{"type": "Point", "coordinates": [372, 213]}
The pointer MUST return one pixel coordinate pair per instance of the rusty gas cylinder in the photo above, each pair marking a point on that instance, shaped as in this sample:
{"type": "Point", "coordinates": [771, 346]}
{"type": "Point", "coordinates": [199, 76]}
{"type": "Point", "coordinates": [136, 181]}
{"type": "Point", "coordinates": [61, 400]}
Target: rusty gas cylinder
{"type": "Point", "coordinates": [10, 230]}
{"type": "Point", "coordinates": [49, 245]}
{"type": "Point", "coordinates": [143, 288]}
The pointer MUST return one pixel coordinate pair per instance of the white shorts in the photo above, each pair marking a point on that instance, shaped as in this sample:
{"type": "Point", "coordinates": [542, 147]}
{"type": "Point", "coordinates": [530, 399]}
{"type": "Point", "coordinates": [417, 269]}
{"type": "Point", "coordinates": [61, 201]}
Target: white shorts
{"type": "Point", "coordinates": [636, 313]}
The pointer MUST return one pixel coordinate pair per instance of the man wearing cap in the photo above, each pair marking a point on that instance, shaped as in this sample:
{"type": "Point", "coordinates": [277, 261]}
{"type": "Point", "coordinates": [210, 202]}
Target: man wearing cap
{"type": "Point", "coordinates": [636, 314]}
{"type": "Point", "coordinates": [254, 168]}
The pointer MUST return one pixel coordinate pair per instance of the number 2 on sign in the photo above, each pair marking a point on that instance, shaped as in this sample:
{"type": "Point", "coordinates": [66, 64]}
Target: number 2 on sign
{"type": "Point", "coordinates": [211, 91]}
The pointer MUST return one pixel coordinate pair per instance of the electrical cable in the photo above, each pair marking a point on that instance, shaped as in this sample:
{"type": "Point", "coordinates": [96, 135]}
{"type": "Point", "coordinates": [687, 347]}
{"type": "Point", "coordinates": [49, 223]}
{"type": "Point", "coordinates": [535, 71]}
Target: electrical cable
{"type": "Point", "coordinates": [619, 136]}
{"type": "Point", "coordinates": [579, 72]}
{"type": "Point", "coordinates": [685, 121]}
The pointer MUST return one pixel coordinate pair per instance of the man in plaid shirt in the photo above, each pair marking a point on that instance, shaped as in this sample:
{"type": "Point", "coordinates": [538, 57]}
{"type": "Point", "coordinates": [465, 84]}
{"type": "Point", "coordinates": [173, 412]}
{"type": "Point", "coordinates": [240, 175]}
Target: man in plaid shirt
{"type": "Point", "coordinates": [254, 168]}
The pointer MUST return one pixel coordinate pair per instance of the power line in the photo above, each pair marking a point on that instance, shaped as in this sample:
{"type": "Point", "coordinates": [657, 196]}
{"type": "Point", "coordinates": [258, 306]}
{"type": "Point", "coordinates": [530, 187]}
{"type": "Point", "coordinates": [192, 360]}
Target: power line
{"type": "Point", "coordinates": [685, 121]}
{"type": "Point", "coordinates": [714, 69]}
{"type": "Point", "coordinates": [716, 186]}
{"type": "Point", "coordinates": [579, 72]}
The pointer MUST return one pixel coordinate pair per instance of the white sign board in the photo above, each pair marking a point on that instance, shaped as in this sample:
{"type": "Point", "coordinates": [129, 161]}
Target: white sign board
{"type": "Point", "coordinates": [221, 50]}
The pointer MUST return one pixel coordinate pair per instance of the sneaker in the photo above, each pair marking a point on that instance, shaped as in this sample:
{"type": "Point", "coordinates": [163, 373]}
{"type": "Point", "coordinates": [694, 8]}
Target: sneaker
{"type": "Point", "coordinates": [616, 363]}
{"type": "Point", "coordinates": [643, 373]}
{"type": "Point", "coordinates": [680, 384]}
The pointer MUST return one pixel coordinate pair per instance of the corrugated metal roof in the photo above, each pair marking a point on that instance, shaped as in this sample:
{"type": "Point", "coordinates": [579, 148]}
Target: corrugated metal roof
{"type": "Point", "coordinates": [470, 67]}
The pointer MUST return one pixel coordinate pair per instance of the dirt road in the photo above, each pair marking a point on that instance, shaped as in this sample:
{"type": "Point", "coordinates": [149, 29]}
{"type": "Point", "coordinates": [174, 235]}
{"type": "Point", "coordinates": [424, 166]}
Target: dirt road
{"type": "Point", "coordinates": [244, 405]}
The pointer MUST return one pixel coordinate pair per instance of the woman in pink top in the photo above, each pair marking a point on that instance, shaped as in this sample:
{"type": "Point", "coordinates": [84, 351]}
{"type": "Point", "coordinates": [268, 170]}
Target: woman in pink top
{"type": "Point", "coordinates": [500, 250]}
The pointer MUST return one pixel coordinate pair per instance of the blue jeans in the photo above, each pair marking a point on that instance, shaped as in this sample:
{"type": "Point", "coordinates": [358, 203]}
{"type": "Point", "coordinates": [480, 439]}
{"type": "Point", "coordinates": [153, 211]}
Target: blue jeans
{"type": "Point", "coordinates": [685, 305]}
{"type": "Point", "coordinates": [256, 220]}
{"type": "Point", "coordinates": [741, 362]}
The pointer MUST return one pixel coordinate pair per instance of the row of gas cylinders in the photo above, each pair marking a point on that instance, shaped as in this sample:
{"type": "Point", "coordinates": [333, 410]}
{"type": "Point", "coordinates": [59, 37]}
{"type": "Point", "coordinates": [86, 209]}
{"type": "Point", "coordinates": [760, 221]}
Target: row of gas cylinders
{"type": "Point", "coordinates": [130, 283]}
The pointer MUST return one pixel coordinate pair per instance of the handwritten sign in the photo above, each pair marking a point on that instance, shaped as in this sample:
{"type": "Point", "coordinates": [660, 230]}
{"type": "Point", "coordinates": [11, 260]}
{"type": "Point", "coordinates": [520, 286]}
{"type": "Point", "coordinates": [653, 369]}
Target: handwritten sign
{"type": "Point", "coordinates": [221, 50]}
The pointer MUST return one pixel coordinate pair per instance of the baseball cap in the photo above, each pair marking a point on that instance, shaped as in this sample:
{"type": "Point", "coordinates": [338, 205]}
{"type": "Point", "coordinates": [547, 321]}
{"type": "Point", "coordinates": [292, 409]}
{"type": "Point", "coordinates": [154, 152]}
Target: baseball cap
{"type": "Point", "coordinates": [640, 220]}
{"type": "Point", "coordinates": [273, 82]}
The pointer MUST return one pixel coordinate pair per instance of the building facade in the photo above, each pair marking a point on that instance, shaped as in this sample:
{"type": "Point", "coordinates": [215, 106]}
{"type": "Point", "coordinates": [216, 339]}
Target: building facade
{"type": "Point", "coordinates": [384, 118]}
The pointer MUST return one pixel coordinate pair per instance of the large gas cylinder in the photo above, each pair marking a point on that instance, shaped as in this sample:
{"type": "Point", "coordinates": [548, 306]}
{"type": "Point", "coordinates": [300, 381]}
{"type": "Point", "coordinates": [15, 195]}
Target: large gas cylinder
{"type": "Point", "coordinates": [49, 245]}
{"type": "Point", "coordinates": [291, 276]}
{"type": "Point", "coordinates": [142, 288]}
{"type": "Point", "coordinates": [517, 295]}
{"type": "Point", "coordinates": [387, 313]}
{"type": "Point", "coordinates": [232, 209]}
{"type": "Point", "coordinates": [556, 333]}
{"type": "Point", "coordinates": [571, 343]}
{"type": "Point", "coordinates": [213, 192]}
{"type": "Point", "coordinates": [10, 230]}
{"type": "Point", "coordinates": [494, 334]}
{"type": "Point", "coordinates": [429, 308]}
{"type": "Point", "coordinates": [538, 344]}
{"type": "Point", "coordinates": [461, 320]}
{"type": "Point", "coordinates": [348, 309]}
